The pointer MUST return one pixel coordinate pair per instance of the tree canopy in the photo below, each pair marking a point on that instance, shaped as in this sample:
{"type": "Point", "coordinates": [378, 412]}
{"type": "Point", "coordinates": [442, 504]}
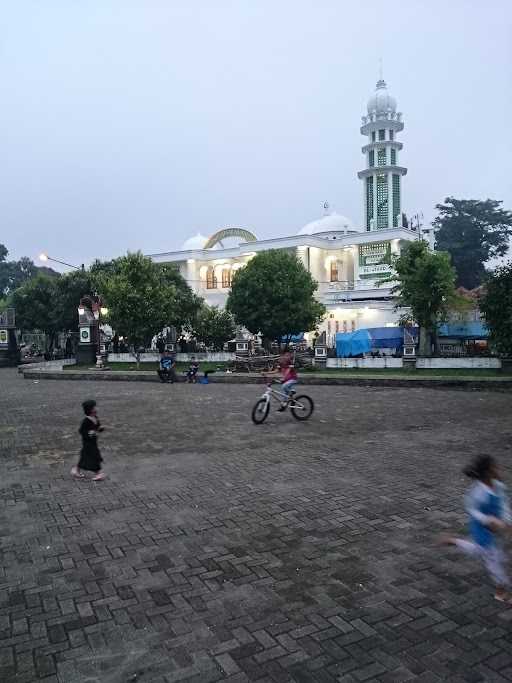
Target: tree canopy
{"type": "Point", "coordinates": [496, 305]}
{"type": "Point", "coordinates": [214, 327]}
{"type": "Point", "coordinates": [425, 285]}
{"type": "Point", "coordinates": [274, 295]}
{"type": "Point", "coordinates": [143, 297]}
{"type": "Point", "coordinates": [14, 274]}
{"type": "Point", "coordinates": [472, 232]}
{"type": "Point", "coordinates": [35, 305]}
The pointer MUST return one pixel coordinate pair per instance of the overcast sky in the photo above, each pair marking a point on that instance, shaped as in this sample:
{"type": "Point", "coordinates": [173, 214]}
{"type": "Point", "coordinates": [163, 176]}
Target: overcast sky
{"type": "Point", "coordinates": [134, 124]}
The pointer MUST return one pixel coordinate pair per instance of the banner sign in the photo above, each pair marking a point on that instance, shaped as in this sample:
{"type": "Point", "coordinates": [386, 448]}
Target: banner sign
{"type": "Point", "coordinates": [375, 259]}
{"type": "Point", "coordinates": [4, 338]}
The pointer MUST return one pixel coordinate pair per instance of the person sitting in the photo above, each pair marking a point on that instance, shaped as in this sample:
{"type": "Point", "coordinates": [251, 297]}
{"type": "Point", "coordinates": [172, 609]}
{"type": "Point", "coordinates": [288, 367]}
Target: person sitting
{"type": "Point", "coordinates": [192, 371]}
{"type": "Point", "coordinates": [167, 369]}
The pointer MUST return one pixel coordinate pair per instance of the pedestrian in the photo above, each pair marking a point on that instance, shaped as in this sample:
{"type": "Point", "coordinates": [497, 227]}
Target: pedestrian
{"type": "Point", "coordinates": [489, 516]}
{"type": "Point", "coordinates": [160, 344]}
{"type": "Point", "coordinates": [69, 347]}
{"type": "Point", "coordinates": [115, 343]}
{"type": "Point", "coordinates": [192, 371]}
{"type": "Point", "coordinates": [90, 456]}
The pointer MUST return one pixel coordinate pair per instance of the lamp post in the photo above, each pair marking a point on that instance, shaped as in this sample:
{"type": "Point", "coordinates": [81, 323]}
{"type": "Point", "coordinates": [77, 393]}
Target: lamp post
{"type": "Point", "coordinates": [99, 311]}
{"type": "Point", "coordinates": [44, 257]}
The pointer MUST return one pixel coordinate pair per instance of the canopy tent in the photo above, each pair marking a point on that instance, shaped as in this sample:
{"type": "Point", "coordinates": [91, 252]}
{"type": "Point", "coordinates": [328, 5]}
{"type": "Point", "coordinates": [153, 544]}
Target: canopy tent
{"type": "Point", "coordinates": [375, 338]}
{"type": "Point", "coordinates": [473, 329]}
{"type": "Point", "coordinates": [352, 343]}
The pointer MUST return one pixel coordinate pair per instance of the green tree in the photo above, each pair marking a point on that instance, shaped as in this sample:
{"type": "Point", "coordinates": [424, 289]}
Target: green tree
{"type": "Point", "coordinates": [472, 232]}
{"type": "Point", "coordinates": [70, 288]}
{"type": "Point", "coordinates": [14, 273]}
{"type": "Point", "coordinates": [496, 305]}
{"type": "Point", "coordinates": [144, 297]}
{"type": "Point", "coordinates": [214, 327]}
{"type": "Point", "coordinates": [35, 304]}
{"type": "Point", "coordinates": [425, 285]}
{"type": "Point", "coordinates": [274, 295]}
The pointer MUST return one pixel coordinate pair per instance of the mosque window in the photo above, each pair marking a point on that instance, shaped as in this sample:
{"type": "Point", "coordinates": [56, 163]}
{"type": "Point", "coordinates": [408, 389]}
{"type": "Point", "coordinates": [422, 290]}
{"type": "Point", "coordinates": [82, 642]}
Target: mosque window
{"type": "Point", "coordinates": [373, 136]}
{"type": "Point", "coordinates": [226, 277]}
{"type": "Point", "coordinates": [381, 157]}
{"type": "Point", "coordinates": [334, 271]}
{"type": "Point", "coordinates": [382, 201]}
{"type": "Point", "coordinates": [211, 279]}
{"type": "Point", "coordinates": [391, 134]}
{"type": "Point", "coordinates": [382, 134]}
{"type": "Point", "coordinates": [371, 157]}
{"type": "Point", "coordinates": [369, 202]}
{"type": "Point", "coordinates": [396, 199]}
{"type": "Point", "coordinates": [393, 156]}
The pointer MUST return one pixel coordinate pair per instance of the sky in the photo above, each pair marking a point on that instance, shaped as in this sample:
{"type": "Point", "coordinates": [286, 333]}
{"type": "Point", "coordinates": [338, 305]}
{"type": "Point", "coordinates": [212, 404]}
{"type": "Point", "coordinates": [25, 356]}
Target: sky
{"type": "Point", "coordinates": [135, 124]}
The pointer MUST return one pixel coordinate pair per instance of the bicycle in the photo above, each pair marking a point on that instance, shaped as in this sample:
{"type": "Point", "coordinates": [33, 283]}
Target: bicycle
{"type": "Point", "coordinates": [301, 407]}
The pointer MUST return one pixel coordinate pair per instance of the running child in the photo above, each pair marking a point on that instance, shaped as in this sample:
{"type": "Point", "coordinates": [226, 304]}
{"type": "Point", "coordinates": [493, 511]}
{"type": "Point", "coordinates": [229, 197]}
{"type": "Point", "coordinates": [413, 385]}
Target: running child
{"type": "Point", "coordinates": [90, 456]}
{"type": "Point", "coordinates": [489, 516]}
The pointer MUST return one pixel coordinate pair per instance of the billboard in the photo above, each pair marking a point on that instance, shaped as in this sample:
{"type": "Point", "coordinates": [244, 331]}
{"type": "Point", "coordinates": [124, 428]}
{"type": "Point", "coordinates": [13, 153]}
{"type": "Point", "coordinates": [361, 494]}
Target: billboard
{"type": "Point", "coordinates": [375, 260]}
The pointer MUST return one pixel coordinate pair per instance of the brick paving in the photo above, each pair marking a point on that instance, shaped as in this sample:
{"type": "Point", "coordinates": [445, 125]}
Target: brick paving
{"type": "Point", "coordinates": [222, 551]}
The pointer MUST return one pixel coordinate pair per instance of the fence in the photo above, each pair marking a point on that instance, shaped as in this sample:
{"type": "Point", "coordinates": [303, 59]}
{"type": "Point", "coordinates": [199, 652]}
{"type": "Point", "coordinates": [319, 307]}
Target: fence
{"type": "Point", "coordinates": [154, 357]}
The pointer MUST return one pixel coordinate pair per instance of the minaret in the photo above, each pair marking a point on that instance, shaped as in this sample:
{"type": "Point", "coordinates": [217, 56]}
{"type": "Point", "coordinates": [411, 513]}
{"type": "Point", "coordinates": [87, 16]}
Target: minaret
{"type": "Point", "coordinates": [382, 175]}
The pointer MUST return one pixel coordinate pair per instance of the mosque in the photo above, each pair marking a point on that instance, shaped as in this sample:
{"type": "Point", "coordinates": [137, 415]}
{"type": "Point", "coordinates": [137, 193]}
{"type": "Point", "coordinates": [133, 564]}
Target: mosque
{"type": "Point", "coordinates": [348, 261]}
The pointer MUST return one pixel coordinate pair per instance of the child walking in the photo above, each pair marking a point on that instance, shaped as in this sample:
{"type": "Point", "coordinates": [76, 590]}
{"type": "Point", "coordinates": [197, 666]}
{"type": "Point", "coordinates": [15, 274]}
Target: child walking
{"type": "Point", "coordinates": [90, 456]}
{"type": "Point", "coordinates": [489, 514]}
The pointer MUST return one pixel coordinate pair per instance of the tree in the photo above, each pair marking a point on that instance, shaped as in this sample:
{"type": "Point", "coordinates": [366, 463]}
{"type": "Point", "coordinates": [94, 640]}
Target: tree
{"type": "Point", "coordinates": [35, 304]}
{"type": "Point", "coordinates": [214, 327]}
{"type": "Point", "coordinates": [496, 305]}
{"type": "Point", "coordinates": [425, 284]}
{"type": "Point", "coordinates": [274, 295]}
{"type": "Point", "coordinates": [14, 273]}
{"type": "Point", "coordinates": [472, 232]}
{"type": "Point", "coordinates": [70, 288]}
{"type": "Point", "coordinates": [144, 297]}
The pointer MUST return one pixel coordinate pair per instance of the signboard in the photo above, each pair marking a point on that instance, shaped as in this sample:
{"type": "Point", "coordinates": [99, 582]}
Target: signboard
{"type": "Point", "coordinates": [4, 338]}
{"type": "Point", "coordinates": [85, 335]}
{"type": "Point", "coordinates": [374, 260]}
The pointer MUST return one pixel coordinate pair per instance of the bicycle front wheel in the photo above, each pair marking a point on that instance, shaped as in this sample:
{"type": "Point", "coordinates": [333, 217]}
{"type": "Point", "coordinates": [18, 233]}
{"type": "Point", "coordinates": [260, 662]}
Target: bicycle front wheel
{"type": "Point", "coordinates": [260, 411]}
{"type": "Point", "coordinates": [302, 407]}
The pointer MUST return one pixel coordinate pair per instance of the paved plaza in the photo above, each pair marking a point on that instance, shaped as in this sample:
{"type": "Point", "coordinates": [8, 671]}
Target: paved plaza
{"type": "Point", "coordinates": [218, 550]}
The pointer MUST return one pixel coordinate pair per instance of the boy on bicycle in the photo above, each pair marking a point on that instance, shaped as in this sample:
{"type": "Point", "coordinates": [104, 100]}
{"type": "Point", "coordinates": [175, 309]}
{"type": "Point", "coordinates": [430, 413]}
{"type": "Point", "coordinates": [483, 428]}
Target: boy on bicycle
{"type": "Point", "coordinates": [289, 378]}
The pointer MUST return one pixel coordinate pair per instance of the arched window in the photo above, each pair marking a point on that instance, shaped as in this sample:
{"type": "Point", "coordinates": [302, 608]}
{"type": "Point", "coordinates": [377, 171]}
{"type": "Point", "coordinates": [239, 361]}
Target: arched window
{"type": "Point", "coordinates": [226, 277]}
{"type": "Point", "coordinates": [211, 278]}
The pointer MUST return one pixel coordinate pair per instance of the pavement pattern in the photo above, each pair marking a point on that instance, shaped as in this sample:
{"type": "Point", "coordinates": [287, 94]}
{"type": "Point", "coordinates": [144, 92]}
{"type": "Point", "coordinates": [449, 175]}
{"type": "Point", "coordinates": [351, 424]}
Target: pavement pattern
{"type": "Point", "coordinates": [218, 550]}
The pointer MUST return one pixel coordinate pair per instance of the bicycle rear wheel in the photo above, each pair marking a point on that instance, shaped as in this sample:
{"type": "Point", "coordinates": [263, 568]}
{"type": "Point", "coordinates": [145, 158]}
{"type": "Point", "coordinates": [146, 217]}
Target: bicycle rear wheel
{"type": "Point", "coordinates": [302, 407]}
{"type": "Point", "coordinates": [260, 411]}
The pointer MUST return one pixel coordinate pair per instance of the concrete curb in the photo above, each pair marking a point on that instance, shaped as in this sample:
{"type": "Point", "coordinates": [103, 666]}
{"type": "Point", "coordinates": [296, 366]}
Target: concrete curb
{"type": "Point", "coordinates": [470, 384]}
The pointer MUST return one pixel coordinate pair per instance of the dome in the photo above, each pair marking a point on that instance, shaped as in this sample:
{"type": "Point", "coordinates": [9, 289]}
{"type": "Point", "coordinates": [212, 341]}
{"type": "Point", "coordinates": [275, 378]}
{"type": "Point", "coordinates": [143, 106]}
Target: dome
{"type": "Point", "coordinates": [333, 222]}
{"type": "Point", "coordinates": [196, 242]}
{"type": "Point", "coordinates": [381, 102]}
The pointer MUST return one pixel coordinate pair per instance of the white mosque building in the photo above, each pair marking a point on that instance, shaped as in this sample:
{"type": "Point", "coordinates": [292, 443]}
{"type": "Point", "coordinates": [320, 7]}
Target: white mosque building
{"type": "Point", "coordinates": [347, 261]}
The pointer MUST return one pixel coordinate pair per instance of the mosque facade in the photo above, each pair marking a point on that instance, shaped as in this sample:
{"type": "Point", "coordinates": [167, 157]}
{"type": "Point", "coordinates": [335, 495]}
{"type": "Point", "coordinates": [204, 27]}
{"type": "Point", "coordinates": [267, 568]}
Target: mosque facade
{"type": "Point", "coordinates": [349, 262]}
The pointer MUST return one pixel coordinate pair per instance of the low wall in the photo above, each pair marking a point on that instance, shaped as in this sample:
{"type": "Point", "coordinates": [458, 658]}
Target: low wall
{"type": "Point", "coordinates": [154, 357]}
{"type": "Point", "coordinates": [368, 363]}
{"type": "Point", "coordinates": [458, 363]}
{"type": "Point", "coordinates": [47, 364]}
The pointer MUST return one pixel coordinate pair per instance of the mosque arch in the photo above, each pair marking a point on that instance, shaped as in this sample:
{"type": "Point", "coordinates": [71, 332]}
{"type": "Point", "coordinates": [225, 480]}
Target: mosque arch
{"type": "Point", "coordinates": [226, 233]}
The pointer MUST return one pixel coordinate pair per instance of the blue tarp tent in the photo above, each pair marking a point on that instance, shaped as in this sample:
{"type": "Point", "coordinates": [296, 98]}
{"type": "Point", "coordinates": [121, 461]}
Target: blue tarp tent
{"type": "Point", "coordinates": [352, 343]}
{"type": "Point", "coordinates": [471, 329]}
{"type": "Point", "coordinates": [387, 337]}
{"type": "Point", "coordinates": [375, 338]}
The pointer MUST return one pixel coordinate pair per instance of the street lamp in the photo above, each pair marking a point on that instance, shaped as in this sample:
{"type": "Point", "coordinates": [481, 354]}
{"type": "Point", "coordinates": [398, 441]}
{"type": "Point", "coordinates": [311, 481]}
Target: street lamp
{"type": "Point", "coordinates": [44, 257]}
